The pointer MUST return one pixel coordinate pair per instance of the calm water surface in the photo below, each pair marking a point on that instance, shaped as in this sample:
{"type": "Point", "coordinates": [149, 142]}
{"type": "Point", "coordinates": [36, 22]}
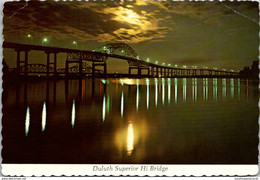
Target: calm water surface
{"type": "Point", "coordinates": [178, 120]}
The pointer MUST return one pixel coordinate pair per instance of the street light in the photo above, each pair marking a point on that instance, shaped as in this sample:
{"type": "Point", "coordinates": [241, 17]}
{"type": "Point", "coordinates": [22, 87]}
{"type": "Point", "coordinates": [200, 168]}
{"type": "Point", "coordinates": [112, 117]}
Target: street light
{"type": "Point", "coordinates": [169, 64]}
{"type": "Point", "coordinates": [30, 37]}
{"type": "Point", "coordinates": [76, 44]}
{"type": "Point", "coordinates": [184, 66]}
{"type": "Point", "coordinates": [156, 62]}
{"type": "Point", "coordinates": [176, 65]}
{"type": "Point", "coordinates": [44, 41]}
{"type": "Point", "coordinates": [148, 59]}
{"type": "Point", "coordinates": [163, 63]}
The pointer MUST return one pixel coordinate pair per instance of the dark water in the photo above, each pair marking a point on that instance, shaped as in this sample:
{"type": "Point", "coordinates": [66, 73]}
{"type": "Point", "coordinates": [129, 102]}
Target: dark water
{"type": "Point", "coordinates": [201, 121]}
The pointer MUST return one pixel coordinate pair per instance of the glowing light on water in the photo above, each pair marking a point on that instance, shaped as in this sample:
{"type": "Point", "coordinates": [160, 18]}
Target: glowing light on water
{"type": "Point", "coordinates": [137, 94]}
{"type": "Point", "coordinates": [44, 113]}
{"type": "Point", "coordinates": [215, 88]}
{"type": "Point", "coordinates": [232, 89]}
{"type": "Point", "coordinates": [196, 89]}
{"type": "Point", "coordinates": [130, 139]}
{"type": "Point", "coordinates": [27, 121]}
{"type": "Point", "coordinates": [147, 93]}
{"type": "Point", "coordinates": [73, 114]}
{"type": "Point", "coordinates": [122, 104]}
{"type": "Point", "coordinates": [156, 91]}
{"type": "Point", "coordinates": [224, 88]}
{"type": "Point", "coordinates": [176, 89]}
{"type": "Point", "coordinates": [104, 109]}
{"type": "Point", "coordinates": [193, 89]}
{"type": "Point", "coordinates": [103, 81]}
{"type": "Point", "coordinates": [108, 103]}
{"type": "Point", "coordinates": [207, 88]}
{"type": "Point", "coordinates": [169, 90]}
{"type": "Point", "coordinates": [238, 88]}
{"type": "Point", "coordinates": [121, 82]}
{"type": "Point", "coordinates": [163, 90]}
{"type": "Point", "coordinates": [184, 82]}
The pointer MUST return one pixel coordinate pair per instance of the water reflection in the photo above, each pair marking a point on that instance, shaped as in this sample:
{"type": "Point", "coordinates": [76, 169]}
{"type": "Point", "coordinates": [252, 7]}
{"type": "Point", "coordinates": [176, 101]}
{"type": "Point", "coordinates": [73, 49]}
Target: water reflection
{"type": "Point", "coordinates": [137, 94]}
{"type": "Point", "coordinates": [205, 88]}
{"type": "Point", "coordinates": [238, 88]}
{"type": "Point", "coordinates": [176, 90]}
{"type": "Point", "coordinates": [232, 88]}
{"type": "Point", "coordinates": [215, 89]}
{"type": "Point", "coordinates": [184, 89]}
{"type": "Point", "coordinates": [156, 91]}
{"type": "Point", "coordinates": [169, 91]}
{"type": "Point", "coordinates": [194, 89]}
{"type": "Point", "coordinates": [224, 88]}
{"type": "Point", "coordinates": [130, 138]}
{"type": "Point", "coordinates": [44, 113]}
{"type": "Point", "coordinates": [104, 109]}
{"type": "Point", "coordinates": [27, 121]}
{"type": "Point", "coordinates": [122, 104]}
{"type": "Point", "coordinates": [163, 90]}
{"type": "Point", "coordinates": [147, 92]}
{"type": "Point", "coordinates": [142, 138]}
{"type": "Point", "coordinates": [73, 114]}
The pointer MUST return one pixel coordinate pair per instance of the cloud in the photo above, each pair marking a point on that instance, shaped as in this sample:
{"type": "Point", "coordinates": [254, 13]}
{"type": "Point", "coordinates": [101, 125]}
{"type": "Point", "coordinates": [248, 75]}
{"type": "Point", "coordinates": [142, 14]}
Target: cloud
{"type": "Point", "coordinates": [85, 21]}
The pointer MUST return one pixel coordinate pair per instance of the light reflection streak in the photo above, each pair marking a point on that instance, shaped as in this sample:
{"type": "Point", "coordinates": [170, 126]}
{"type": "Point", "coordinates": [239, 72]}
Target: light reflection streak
{"type": "Point", "coordinates": [196, 88]}
{"type": "Point", "coordinates": [147, 93]}
{"type": "Point", "coordinates": [184, 82]}
{"type": "Point", "coordinates": [137, 94]}
{"type": "Point", "coordinates": [27, 121]}
{"type": "Point", "coordinates": [104, 109]}
{"type": "Point", "coordinates": [156, 91]}
{"type": "Point", "coordinates": [163, 90]}
{"type": "Point", "coordinates": [122, 104]}
{"type": "Point", "coordinates": [44, 113]}
{"type": "Point", "coordinates": [73, 114]}
{"type": "Point", "coordinates": [108, 103]}
{"type": "Point", "coordinates": [232, 89]}
{"type": "Point", "coordinates": [169, 90]}
{"type": "Point", "coordinates": [224, 88]}
{"type": "Point", "coordinates": [130, 139]}
{"type": "Point", "coordinates": [175, 89]}
{"type": "Point", "coordinates": [193, 89]}
{"type": "Point", "coordinates": [207, 88]}
{"type": "Point", "coordinates": [238, 88]}
{"type": "Point", "coordinates": [215, 89]}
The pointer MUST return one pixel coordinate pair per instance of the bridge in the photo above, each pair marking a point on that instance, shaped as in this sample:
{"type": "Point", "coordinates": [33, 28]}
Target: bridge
{"type": "Point", "coordinates": [98, 57]}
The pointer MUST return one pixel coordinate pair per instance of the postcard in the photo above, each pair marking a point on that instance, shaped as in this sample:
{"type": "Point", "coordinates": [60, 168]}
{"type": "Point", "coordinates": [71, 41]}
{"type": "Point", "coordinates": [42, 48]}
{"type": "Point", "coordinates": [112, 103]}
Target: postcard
{"type": "Point", "coordinates": [130, 88]}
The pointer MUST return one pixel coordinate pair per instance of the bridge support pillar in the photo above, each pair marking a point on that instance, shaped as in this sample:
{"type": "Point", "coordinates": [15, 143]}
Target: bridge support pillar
{"type": "Point", "coordinates": [201, 72]}
{"type": "Point", "coordinates": [194, 72]}
{"type": "Point", "coordinates": [26, 63]}
{"type": "Point", "coordinates": [210, 72]}
{"type": "Point", "coordinates": [105, 69]}
{"type": "Point", "coordinates": [188, 72]}
{"type": "Point", "coordinates": [139, 73]}
{"type": "Point", "coordinates": [93, 70]}
{"type": "Point", "coordinates": [19, 62]}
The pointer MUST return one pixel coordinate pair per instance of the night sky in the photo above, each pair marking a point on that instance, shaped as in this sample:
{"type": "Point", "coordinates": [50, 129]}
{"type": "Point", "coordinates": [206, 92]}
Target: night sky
{"type": "Point", "coordinates": [213, 34]}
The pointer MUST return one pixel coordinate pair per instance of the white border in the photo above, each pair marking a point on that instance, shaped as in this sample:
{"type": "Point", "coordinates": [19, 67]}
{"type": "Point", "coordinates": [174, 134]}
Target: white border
{"type": "Point", "coordinates": [113, 169]}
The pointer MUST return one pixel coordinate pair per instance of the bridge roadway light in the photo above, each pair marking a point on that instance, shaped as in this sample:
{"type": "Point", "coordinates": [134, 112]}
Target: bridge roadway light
{"type": "Point", "coordinates": [30, 37]}
{"type": "Point", "coordinates": [75, 43]}
{"type": "Point", "coordinates": [163, 63]}
{"type": "Point", "coordinates": [156, 62]}
{"type": "Point", "coordinates": [175, 65]}
{"type": "Point", "coordinates": [169, 64]}
{"type": "Point", "coordinates": [184, 66]}
{"type": "Point", "coordinates": [44, 40]}
{"type": "Point", "coordinates": [148, 59]}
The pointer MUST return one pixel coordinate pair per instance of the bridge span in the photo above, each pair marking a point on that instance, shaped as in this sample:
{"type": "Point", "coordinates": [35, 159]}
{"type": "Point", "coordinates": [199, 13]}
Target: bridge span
{"type": "Point", "coordinates": [98, 57]}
